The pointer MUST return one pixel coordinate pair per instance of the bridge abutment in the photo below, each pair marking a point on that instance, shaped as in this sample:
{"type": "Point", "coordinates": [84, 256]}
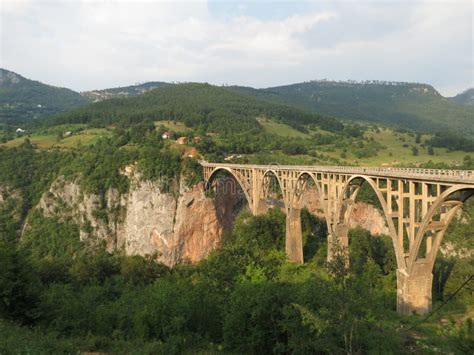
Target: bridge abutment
{"type": "Point", "coordinates": [294, 238]}
{"type": "Point", "coordinates": [414, 291]}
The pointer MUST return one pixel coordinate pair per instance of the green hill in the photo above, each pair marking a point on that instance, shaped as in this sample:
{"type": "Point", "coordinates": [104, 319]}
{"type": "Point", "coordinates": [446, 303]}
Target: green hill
{"type": "Point", "coordinates": [410, 105]}
{"type": "Point", "coordinates": [200, 106]}
{"type": "Point", "coordinates": [464, 98]}
{"type": "Point", "coordinates": [22, 99]}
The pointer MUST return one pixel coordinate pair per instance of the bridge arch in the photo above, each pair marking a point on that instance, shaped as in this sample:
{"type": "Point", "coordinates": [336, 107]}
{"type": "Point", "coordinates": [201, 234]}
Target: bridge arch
{"type": "Point", "coordinates": [444, 207]}
{"type": "Point", "coordinates": [265, 184]}
{"type": "Point", "coordinates": [346, 203]}
{"type": "Point", "coordinates": [302, 181]}
{"type": "Point", "coordinates": [238, 178]}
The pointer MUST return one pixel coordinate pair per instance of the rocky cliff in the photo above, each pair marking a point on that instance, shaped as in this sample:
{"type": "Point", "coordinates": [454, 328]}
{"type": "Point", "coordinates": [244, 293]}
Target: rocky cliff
{"type": "Point", "coordinates": [363, 215]}
{"type": "Point", "coordinates": [176, 227]}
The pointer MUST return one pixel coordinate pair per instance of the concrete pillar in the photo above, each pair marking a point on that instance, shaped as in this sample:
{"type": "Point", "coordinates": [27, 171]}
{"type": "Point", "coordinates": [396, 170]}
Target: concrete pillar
{"type": "Point", "coordinates": [261, 207]}
{"type": "Point", "coordinates": [294, 238]}
{"type": "Point", "coordinates": [414, 291]}
{"type": "Point", "coordinates": [338, 243]}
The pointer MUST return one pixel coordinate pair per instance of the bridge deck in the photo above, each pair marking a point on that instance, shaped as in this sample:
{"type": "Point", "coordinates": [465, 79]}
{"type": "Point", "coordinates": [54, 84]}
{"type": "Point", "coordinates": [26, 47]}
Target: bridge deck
{"type": "Point", "coordinates": [434, 175]}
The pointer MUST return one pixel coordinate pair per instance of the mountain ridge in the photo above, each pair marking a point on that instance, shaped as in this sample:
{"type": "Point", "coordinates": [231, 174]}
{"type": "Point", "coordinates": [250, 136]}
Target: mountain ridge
{"type": "Point", "coordinates": [465, 98]}
{"type": "Point", "coordinates": [415, 106]}
{"type": "Point", "coordinates": [22, 99]}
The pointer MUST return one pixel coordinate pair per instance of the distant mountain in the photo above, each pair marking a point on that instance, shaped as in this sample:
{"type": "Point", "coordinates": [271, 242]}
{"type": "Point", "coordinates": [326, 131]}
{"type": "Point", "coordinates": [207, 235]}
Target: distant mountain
{"type": "Point", "coordinates": [120, 92]}
{"type": "Point", "coordinates": [22, 99]}
{"type": "Point", "coordinates": [464, 98]}
{"type": "Point", "coordinates": [410, 105]}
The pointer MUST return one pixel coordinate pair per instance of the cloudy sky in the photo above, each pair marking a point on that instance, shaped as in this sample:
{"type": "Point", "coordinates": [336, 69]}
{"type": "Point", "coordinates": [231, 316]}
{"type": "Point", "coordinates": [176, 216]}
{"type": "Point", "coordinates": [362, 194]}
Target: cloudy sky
{"type": "Point", "coordinates": [88, 45]}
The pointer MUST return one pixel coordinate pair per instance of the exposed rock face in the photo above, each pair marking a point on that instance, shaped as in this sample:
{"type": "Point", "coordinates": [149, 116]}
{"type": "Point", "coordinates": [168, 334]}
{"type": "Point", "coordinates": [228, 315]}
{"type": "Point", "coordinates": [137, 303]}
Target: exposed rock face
{"type": "Point", "coordinates": [149, 222]}
{"type": "Point", "coordinates": [363, 215]}
{"type": "Point", "coordinates": [145, 220]}
{"type": "Point", "coordinates": [369, 218]}
{"type": "Point", "coordinates": [7, 193]}
{"type": "Point", "coordinates": [66, 201]}
{"type": "Point", "coordinates": [181, 227]}
{"type": "Point", "coordinates": [10, 205]}
{"type": "Point", "coordinates": [201, 223]}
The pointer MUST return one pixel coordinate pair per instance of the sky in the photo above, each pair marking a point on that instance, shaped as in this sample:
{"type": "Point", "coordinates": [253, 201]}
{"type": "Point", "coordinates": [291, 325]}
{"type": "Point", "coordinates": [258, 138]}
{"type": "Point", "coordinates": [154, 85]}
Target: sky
{"type": "Point", "coordinates": [86, 45]}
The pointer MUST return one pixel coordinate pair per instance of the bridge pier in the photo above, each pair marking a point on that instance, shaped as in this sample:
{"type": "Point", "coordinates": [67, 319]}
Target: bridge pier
{"type": "Point", "coordinates": [260, 207]}
{"type": "Point", "coordinates": [338, 243]}
{"type": "Point", "coordinates": [414, 291]}
{"type": "Point", "coordinates": [294, 238]}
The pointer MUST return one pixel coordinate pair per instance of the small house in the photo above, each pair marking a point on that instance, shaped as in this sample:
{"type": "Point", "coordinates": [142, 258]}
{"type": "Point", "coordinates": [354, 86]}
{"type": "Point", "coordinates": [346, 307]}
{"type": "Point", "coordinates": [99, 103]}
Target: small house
{"type": "Point", "coordinates": [19, 130]}
{"type": "Point", "coordinates": [181, 140]}
{"type": "Point", "coordinates": [166, 135]}
{"type": "Point", "coordinates": [197, 139]}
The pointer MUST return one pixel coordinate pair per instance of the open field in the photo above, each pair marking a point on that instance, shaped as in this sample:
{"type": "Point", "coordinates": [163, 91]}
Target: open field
{"type": "Point", "coordinates": [173, 126]}
{"type": "Point", "coordinates": [47, 141]}
{"type": "Point", "coordinates": [88, 136]}
{"type": "Point", "coordinates": [396, 151]}
{"type": "Point", "coordinates": [280, 129]}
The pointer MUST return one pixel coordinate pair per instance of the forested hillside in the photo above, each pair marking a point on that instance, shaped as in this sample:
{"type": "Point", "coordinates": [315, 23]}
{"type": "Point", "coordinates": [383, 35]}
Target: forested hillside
{"type": "Point", "coordinates": [464, 98]}
{"type": "Point", "coordinates": [201, 106]}
{"type": "Point", "coordinates": [22, 99]}
{"type": "Point", "coordinates": [414, 106]}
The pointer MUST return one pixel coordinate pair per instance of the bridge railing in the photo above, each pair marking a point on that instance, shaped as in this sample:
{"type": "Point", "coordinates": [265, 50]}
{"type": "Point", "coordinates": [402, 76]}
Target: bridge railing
{"type": "Point", "coordinates": [462, 175]}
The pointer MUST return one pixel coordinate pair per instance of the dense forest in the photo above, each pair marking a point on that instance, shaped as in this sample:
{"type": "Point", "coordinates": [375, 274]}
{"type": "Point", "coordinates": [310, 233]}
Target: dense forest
{"type": "Point", "coordinates": [200, 106]}
{"type": "Point", "coordinates": [418, 107]}
{"type": "Point", "coordinates": [245, 297]}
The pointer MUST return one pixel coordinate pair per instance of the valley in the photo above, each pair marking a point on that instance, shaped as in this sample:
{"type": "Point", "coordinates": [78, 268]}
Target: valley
{"type": "Point", "coordinates": [112, 241]}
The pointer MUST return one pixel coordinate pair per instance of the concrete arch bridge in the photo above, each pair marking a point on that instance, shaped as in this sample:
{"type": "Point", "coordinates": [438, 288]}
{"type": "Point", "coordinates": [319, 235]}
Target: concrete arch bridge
{"type": "Point", "coordinates": [418, 205]}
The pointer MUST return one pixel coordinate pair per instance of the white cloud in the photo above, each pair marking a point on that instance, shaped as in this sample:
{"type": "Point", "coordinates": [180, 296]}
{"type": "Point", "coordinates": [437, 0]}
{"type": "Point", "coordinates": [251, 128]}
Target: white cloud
{"type": "Point", "coordinates": [91, 44]}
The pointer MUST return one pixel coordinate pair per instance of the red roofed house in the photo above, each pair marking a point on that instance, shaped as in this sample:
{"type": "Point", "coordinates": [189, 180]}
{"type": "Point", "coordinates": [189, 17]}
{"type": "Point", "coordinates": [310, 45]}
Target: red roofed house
{"type": "Point", "coordinates": [166, 134]}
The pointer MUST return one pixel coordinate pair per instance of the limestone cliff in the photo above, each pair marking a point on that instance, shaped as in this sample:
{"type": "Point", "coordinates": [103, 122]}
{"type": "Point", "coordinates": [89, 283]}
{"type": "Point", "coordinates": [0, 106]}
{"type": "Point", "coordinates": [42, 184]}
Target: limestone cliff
{"type": "Point", "coordinates": [180, 227]}
{"type": "Point", "coordinates": [363, 215]}
{"type": "Point", "coordinates": [177, 228]}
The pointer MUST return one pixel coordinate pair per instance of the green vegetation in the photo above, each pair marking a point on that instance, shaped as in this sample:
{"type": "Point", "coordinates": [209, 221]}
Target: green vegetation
{"type": "Point", "coordinates": [245, 297]}
{"type": "Point", "coordinates": [465, 98]}
{"type": "Point", "coordinates": [200, 106]}
{"type": "Point", "coordinates": [413, 106]}
{"type": "Point", "coordinates": [22, 100]}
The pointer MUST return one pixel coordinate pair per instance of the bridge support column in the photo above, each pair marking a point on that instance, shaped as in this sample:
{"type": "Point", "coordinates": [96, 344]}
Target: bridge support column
{"type": "Point", "coordinates": [414, 290]}
{"type": "Point", "coordinates": [260, 207]}
{"type": "Point", "coordinates": [294, 238]}
{"type": "Point", "coordinates": [338, 243]}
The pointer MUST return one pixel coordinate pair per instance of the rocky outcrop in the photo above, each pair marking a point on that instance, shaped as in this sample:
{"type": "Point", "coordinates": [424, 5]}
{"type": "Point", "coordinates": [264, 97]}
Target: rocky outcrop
{"type": "Point", "coordinates": [148, 224]}
{"type": "Point", "coordinates": [363, 215]}
{"type": "Point", "coordinates": [201, 223]}
{"type": "Point", "coordinates": [65, 200]}
{"type": "Point", "coordinates": [369, 218]}
{"type": "Point", "coordinates": [176, 227]}
{"type": "Point", "coordinates": [146, 221]}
